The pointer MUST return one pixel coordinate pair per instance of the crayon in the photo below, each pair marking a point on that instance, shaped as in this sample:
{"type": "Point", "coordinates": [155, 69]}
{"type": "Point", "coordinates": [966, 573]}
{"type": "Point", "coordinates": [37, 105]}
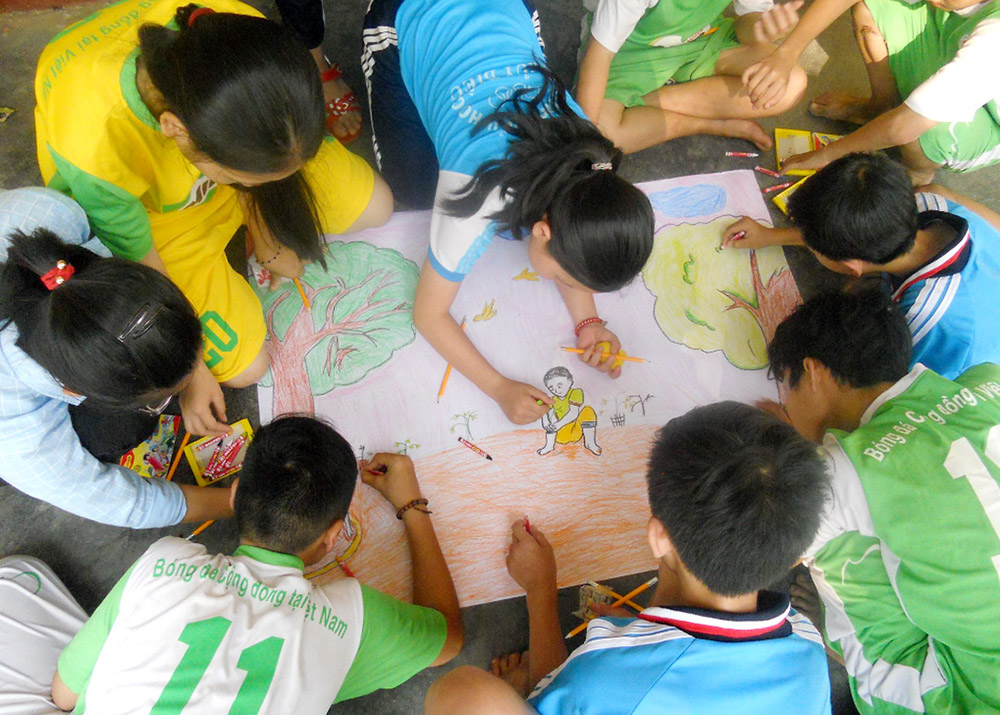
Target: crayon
{"type": "Point", "coordinates": [474, 448]}
{"type": "Point", "coordinates": [767, 172]}
{"type": "Point", "coordinates": [778, 187]}
{"type": "Point", "coordinates": [527, 524]}
{"type": "Point", "coordinates": [736, 237]}
{"type": "Point", "coordinates": [743, 154]}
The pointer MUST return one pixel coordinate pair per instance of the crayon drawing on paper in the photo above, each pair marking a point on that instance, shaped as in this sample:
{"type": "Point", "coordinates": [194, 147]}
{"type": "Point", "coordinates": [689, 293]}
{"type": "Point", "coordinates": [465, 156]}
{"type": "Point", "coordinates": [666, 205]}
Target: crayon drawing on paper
{"type": "Point", "coordinates": [700, 314]}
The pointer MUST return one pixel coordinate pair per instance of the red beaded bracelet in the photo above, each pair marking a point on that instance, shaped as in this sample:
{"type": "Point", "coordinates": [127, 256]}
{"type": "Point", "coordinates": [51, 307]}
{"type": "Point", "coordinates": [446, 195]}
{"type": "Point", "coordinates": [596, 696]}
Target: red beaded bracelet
{"type": "Point", "coordinates": [584, 323]}
{"type": "Point", "coordinates": [418, 504]}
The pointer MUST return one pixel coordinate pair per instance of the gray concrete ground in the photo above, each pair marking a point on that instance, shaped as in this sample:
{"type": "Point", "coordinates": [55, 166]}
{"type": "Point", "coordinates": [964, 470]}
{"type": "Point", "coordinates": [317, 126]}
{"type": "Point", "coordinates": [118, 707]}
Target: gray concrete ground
{"type": "Point", "coordinates": [90, 557]}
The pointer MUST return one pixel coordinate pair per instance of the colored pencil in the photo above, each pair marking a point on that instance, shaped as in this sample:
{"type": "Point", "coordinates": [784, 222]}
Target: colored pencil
{"type": "Point", "coordinates": [527, 524]}
{"type": "Point", "coordinates": [606, 355]}
{"type": "Point", "coordinates": [347, 571]}
{"type": "Point", "coordinates": [475, 449]}
{"type": "Point", "coordinates": [177, 457]}
{"type": "Point", "coordinates": [201, 528]}
{"type": "Point", "coordinates": [631, 594]}
{"type": "Point", "coordinates": [743, 154]}
{"type": "Point", "coordinates": [305, 300]}
{"type": "Point", "coordinates": [767, 172]}
{"type": "Point", "coordinates": [778, 187]}
{"type": "Point", "coordinates": [627, 601]}
{"type": "Point", "coordinates": [447, 372]}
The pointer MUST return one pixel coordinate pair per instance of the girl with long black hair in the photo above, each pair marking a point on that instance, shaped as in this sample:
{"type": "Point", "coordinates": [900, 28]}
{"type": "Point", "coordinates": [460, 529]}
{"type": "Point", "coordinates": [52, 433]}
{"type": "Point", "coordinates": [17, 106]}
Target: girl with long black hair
{"type": "Point", "coordinates": [173, 125]}
{"type": "Point", "coordinates": [467, 118]}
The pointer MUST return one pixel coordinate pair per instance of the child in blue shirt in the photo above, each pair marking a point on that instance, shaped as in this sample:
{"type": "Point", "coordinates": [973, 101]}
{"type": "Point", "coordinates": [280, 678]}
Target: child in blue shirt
{"type": "Point", "coordinates": [940, 254]}
{"type": "Point", "coordinates": [467, 119]}
{"type": "Point", "coordinates": [736, 497]}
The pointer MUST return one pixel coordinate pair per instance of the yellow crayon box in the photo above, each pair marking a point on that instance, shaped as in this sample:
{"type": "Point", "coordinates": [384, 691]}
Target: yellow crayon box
{"type": "Point", "coordinates": [781, 200]}
{"type": "Point", "coordinates": [215, 458]}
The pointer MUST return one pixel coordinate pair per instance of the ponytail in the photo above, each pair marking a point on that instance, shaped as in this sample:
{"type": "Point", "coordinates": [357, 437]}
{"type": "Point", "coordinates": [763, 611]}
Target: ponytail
{"type": "Point", "coordinates": [559, 166]}
{"type": "Point", "coordinates": [73, 330]}
{"type": "Point", "coordinates": [251, 100]}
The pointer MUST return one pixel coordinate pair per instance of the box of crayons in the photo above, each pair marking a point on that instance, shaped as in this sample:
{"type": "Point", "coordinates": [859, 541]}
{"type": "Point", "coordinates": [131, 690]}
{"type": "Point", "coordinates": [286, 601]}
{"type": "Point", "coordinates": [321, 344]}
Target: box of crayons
{"type": "Point", "coordinates": [781, 200]}
{"type": "Point", "coordinates": [152, 457]}
{"type": "Point", "coordinates": [788, 142]}
{"type": "Point", "coordinates": [215, 458]}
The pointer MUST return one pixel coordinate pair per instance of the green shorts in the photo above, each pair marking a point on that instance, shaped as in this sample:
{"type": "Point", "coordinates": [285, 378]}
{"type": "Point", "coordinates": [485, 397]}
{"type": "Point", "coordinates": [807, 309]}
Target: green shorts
{"type": "Point", "coordinates": [919, 45]}
{"type": "Point", "coordinates": [638, 69]}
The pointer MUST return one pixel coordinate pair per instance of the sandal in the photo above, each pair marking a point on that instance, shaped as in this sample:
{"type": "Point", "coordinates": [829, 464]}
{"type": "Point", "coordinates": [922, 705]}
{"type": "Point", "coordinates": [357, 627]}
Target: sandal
{"type": "Point", "coordinates": [344, 104]}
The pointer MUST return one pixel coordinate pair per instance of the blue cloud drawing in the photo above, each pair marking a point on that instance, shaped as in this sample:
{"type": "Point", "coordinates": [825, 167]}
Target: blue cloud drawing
{"type": "Point", "coordinates": [689, 201]}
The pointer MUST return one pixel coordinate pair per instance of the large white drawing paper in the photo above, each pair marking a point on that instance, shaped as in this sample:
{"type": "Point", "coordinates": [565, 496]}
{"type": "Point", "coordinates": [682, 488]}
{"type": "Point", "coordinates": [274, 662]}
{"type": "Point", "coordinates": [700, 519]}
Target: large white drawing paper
{"type": "Point", "coordinates": [699, 314]}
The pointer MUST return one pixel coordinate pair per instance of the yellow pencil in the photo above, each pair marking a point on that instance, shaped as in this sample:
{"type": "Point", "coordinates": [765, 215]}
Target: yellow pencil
{"type": "Point", "coordinates": [177, 457]}
{"type": "Point", "coordinates": [605, 355]}
{"type": "Point", "coordinates": [631, 594]}
{"type": "Point", "coordinates": [627, 601]}
{"type": "Point", "coordinates": [305, 300]}
{"type": "Point", "coordinates": [447, 372]}
{"type": "Point", "coordinates": [201, 528]}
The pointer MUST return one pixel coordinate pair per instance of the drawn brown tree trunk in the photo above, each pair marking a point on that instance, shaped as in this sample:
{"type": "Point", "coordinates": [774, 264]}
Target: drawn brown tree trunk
{"type": "Point", "coordinates": [773, 301]}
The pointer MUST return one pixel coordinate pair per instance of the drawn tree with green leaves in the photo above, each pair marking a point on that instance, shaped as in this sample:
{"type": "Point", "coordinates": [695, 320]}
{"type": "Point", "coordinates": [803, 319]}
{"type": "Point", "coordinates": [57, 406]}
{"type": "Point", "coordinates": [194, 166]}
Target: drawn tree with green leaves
{"type": "Point", "coordinates": [406, 446]}
{"type": "Point", "coordinates": [712, 298]}
{"type": "Point", "coordinates": [361, 313]}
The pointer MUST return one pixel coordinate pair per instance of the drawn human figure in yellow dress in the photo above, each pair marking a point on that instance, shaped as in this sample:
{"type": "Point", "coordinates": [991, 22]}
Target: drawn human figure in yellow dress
{"type": "Point", "coordinates": [568, 420]}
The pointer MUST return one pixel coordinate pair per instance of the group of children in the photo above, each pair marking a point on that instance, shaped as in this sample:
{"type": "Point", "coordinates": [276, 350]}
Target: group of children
{"type": "Point", "coordinates": [163, 128]}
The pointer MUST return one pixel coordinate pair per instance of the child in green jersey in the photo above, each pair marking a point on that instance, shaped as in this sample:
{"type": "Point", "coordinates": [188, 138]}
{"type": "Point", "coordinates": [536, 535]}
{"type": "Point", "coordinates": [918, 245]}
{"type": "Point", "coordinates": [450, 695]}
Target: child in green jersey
{"type": "Point", "coordinates": [654, 70]}
{"type": "Point", "coordinates": [934, 85]}
{"type": "Point", "coordinates": [187, 630]}
{"type": "Point", "coordinates": [906, 560]}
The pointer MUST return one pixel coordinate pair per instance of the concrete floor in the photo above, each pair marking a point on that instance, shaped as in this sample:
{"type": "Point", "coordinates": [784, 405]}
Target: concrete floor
{"type": "Point", "coordinates": [90, 557]}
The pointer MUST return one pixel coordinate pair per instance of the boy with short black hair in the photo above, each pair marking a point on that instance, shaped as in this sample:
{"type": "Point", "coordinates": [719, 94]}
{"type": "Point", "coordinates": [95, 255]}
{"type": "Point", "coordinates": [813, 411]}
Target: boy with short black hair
{"type": "Point", "coordinates": [187, 630]}
{"type": "Point", "coordinates": [736, 497]}
{"type": "Point", "coordinates": [905, 561]}
{"type": "Point", "coordinates": [939, 254]}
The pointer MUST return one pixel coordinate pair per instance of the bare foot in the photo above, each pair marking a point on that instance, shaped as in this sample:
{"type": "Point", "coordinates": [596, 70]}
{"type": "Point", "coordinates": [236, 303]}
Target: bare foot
{"type": "Point", "coordinates": [843, 106]}
{"type": "Point", "coordinates": [513, 670]}
{"type": "Point", "coordinates": [742, 129]}
{"type": "Point", "coordinates": [347, 124]}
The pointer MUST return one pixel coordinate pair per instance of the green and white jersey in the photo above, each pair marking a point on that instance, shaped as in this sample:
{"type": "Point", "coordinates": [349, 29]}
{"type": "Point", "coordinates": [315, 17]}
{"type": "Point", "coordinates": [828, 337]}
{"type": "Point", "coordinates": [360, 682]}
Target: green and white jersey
{"type": "Point", "coordinates": [907, 560]}
{"type": "Point", "coordinates": [187, 631]}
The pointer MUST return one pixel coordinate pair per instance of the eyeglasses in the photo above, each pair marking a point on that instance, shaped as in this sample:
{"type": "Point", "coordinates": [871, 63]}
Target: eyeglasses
{"type": "Point", "coordinates": [155, 410]}
{"type": "Point", "coordinates": [141, 323]}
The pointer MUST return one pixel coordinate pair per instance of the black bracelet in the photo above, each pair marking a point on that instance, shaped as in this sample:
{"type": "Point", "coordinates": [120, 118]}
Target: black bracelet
{"type": "Point", "coordinates": [417, 504]}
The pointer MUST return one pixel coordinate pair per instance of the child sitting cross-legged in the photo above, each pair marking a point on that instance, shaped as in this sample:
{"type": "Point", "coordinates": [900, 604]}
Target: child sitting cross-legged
{"type": "Point", "coordinates": [736, 497]}
{"type": "Point", "coordinates": [186, 630]}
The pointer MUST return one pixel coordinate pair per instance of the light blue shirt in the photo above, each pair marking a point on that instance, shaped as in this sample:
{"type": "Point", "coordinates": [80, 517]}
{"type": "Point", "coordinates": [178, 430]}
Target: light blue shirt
{"type": "Point", "coordinates": [40, 453]}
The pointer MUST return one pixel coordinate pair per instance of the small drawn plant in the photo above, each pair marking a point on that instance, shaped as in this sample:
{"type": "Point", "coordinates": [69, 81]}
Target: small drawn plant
{"type": "Point", "coordinates": [405, 446]}
{"type": "Point", "coordinates": [633, 401]}
{"type": "Point", "coordinates": [463, 420]}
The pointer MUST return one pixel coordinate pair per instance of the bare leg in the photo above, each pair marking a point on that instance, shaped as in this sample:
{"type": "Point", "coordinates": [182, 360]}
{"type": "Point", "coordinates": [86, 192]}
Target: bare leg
{"type": "Point", "coordinates": [513, 670]}
{"type": "Point", "coordinates": [472, 691]}
{"type": "Point", "coordinates": [916, 162]}
{"type": "Point", "coordinates": [723, 96]}
{"type": "Point", "coordinates": [884, 94]}
{"type": "Point", "coordinates": [637, 128]}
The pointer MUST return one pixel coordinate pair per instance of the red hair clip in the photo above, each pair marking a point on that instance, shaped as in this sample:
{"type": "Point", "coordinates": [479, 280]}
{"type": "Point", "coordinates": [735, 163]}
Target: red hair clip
{"type": "Point", "coordinates": [198, 13]}
{"type": "Point", "coordinates": [58, 275]}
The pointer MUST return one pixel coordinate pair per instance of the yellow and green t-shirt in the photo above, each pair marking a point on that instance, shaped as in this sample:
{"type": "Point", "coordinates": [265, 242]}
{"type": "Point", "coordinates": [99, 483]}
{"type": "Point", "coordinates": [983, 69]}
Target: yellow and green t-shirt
{"type": "Point", "coordinates": [97, 141]}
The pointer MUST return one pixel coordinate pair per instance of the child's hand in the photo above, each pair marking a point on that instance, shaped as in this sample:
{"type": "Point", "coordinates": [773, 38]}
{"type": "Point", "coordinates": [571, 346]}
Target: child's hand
{"type": "Point", "coordinates": [201, 401]}
{"type": "Point", "coordinates": [806, 161]}
{"type": "Point", "coordinates": [777, 22]}
{"type": "Point", "coordinates": [755, 235]}
{"type": "Point", "coordinates": [393, 476]}
{"type": "Point", "coordinates": [287, 265]}
{"type": "Point", "coordinates": [521, 402]}
{"type": "Point", "coordinates": [530, 559]}
{"type": "Point", "coordinates": [590, 339]}
{"type": "Point", "coordinates": [767, 80]}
